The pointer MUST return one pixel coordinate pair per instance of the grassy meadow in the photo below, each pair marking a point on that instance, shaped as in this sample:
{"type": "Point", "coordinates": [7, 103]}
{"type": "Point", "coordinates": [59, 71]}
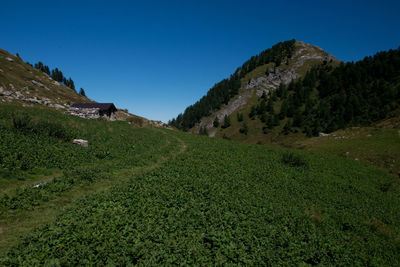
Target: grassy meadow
{"type": "Point", "coordinates": [159, 197]}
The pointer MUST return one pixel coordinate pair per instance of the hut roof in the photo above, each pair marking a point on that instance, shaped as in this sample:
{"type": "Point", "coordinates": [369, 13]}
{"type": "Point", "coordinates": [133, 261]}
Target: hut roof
{"type": "Point", "coordinates": [101, 106]}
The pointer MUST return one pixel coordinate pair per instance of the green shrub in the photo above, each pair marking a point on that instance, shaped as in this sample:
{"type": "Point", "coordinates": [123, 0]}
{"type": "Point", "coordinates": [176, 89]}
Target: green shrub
{"type": "Point", "coordinates": [22, 122]}
{"type": "Point", "coordinates": [290, 159]}
{"type": "Point", "coordinates": [53, 129]}
{"type": "Point", "coordinates": [136, 121]}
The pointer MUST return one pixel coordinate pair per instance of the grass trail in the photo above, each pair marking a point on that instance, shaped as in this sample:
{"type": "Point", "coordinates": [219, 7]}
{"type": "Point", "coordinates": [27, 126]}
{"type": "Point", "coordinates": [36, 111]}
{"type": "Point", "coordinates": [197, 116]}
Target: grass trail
{"type": "Point", "coordinates": [15, 225]}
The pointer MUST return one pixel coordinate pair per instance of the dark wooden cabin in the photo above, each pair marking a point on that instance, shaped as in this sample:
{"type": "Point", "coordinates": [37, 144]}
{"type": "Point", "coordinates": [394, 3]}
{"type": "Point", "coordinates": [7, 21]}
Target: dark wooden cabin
{"type": "Point", "coordinates": [105, 109]}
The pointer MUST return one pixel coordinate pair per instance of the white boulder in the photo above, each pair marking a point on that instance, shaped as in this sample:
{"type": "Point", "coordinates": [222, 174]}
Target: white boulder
{"type": "Point", "coordinates": [81, 142]}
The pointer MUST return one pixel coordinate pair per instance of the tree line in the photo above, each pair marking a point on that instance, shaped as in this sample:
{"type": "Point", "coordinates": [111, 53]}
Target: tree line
{"type": "Point", "coordinates": [223, 91]}
{"type": "Point", "coordinates": [55, 74]}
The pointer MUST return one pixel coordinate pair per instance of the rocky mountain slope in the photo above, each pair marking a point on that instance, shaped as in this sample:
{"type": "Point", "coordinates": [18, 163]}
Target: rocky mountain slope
{"type": "Point", "coordinates": [21, 83]}
{"type": "Point", "coordinates": [266, 79]}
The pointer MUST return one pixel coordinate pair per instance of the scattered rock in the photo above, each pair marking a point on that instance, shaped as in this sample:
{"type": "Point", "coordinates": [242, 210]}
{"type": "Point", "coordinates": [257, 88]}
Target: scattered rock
{"type": "Point", "coordinates": [1, 70]}
{"type": "Point", "coordinates": [81, 142]}
{"type": "Point", "coordinates": [356, 159]}
{"type": "Point", "coordinates": [347, 153]}
{"type": "Point", "coordinates": [369, 135]}
{"type": "Point", "coordinates": [40, 85]}
{"type": "Point", "coordinates": [57, 106]}
{"type": "Point", "coordinates": [322, 134]}
{"type": "Point", "coordinates": [9, 59]}
{"type": "Point", "coordinates": [4, 92]}
{"type": "Point", "coordinates": [40, 184]}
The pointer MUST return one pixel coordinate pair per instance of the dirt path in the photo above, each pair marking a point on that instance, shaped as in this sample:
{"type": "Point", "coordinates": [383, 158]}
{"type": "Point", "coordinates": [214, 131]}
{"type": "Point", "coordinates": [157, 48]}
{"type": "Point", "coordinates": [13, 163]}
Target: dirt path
{"type": "Point", "coordinates": [15, 225]}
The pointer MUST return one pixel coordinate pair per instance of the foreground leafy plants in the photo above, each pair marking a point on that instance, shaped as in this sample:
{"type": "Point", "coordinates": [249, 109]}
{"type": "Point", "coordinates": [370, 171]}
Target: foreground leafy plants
{"type": "Point", "coordinates": [223, 202]}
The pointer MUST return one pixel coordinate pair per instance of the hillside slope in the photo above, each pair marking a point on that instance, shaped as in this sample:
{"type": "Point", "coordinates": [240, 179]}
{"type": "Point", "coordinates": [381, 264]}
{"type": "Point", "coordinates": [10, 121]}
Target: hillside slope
{"type": "Point", "coordinates": [264, 79]}
{"type": "Point", "coordinates": [24, 85]}
{"type": "Point", "coordinates": [21, 83]}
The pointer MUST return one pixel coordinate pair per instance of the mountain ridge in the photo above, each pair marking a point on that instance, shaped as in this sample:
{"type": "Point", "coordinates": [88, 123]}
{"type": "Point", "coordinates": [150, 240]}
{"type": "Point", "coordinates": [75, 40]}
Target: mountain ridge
{"type": "Point", "coordinates": [309, 55]}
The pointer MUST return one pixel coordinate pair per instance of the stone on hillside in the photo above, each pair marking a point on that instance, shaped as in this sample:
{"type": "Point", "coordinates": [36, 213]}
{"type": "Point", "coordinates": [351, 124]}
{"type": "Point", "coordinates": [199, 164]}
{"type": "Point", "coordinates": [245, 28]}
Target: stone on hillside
{"type": "Point", "coordinates": [39, 184]}
{"type": "Point", "coordinates": [323, 134]}
{"type": "Point", "coordinates": [9, 59]}
{"type": "Point", "coordinates": [37, 83]}
{"type": "Point", "coordinates": [57, 106]}
{"type": "Point", "coordinates": [40, 85]}
{"type": "Point", "coordinates": [4, 92]}
{"type": "Point", "coordinates": [81, 142]}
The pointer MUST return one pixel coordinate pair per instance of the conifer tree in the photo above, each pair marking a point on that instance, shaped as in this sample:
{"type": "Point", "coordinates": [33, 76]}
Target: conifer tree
{"type": "Point", "coordinates": [227, 122]}
{"type": "Point", "coordinates": [216, 122]}
{"type": "Point", "coordinates": [239, 116]}
{"type": "Point", "coordinates": [244, 129]}
{"type": "Point", "coordinates": [82, 92]}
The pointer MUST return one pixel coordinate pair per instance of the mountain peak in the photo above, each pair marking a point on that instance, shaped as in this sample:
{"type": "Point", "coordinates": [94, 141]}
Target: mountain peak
{"type": "Point", "coordinates": [266, 78]}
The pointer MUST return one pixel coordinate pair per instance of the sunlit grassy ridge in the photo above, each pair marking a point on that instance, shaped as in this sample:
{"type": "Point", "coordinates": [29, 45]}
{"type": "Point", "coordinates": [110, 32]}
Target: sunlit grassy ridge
{"type": "Point", "coordinates": [219, 202]}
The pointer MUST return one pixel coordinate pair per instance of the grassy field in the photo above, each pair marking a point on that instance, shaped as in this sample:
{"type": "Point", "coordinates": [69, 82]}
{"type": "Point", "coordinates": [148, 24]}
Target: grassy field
{"type": "Point", "coordinates": [165, 197]}
{"type": "Point", "coordinates": [379, 147]}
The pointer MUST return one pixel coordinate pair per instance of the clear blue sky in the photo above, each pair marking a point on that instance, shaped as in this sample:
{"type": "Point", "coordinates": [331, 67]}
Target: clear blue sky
{"type": "Point", "coordinates": [157, 57]}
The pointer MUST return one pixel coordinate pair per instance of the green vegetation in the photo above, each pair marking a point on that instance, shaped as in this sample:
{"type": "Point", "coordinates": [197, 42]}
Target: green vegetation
{"type": "Point", "coordinates": [38, 139]}
{"type": "Point", "coordinates": [206, 202]}
{"type": "Point", "coordinates": [227, 122]}
{"type": "Point", "coordinates": [290, 159]}
{"type": "Point", "coordinates": [377, 146]}
{"type": "Point", "coordinates": [216, 122]}
{"type": "Point", "coordinates": [136, 121]}
{"type": "Point", "coordinates": [82, 92]}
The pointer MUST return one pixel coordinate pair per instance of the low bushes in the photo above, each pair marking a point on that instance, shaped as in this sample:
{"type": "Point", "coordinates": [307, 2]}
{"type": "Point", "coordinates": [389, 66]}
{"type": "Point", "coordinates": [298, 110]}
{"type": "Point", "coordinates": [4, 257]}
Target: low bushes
{"type": "Point", "coordinates": [23, 122]}
{"type": "Point", "coordinates": [293, 160]}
